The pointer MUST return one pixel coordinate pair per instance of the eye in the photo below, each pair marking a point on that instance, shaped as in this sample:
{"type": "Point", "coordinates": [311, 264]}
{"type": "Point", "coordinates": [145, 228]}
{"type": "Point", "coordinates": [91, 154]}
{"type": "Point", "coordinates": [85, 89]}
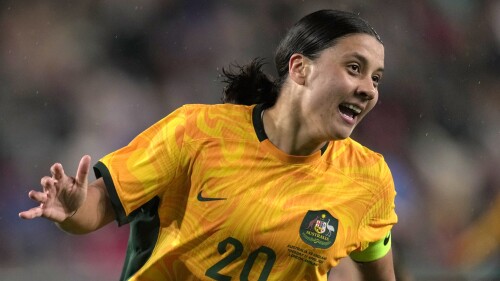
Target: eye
{"type": "Point", "coordinates": [354, 68]}
{"type": "Point", "coordinates": [376, 80]}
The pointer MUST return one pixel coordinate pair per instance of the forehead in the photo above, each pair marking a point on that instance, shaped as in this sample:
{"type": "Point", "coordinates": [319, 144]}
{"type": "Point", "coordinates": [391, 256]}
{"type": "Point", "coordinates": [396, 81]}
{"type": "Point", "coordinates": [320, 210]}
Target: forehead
{"type": "Point", "coordinates": [358, 45]}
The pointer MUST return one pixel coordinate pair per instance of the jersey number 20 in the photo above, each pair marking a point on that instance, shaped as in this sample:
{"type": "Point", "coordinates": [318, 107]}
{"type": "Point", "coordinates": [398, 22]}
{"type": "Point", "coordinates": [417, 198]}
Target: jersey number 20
{"type": "Point", "coordinates": [213, 272]}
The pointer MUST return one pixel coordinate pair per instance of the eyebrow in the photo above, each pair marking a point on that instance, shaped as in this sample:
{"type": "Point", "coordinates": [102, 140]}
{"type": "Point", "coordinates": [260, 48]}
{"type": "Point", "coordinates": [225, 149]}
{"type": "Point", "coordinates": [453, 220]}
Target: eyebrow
{"type": "Point", "coordinates": [363, 59]}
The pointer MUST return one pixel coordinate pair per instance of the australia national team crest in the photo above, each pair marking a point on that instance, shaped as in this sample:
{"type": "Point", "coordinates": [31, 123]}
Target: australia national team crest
{"type": "Point", "coordinates": [319, 229]}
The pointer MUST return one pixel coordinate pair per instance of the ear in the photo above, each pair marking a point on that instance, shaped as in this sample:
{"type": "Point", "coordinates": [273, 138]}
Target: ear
{"type": "Point", "coordinates": [297, 68]}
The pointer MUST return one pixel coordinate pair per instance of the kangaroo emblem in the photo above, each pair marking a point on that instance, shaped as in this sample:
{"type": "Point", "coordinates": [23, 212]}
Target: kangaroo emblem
{"type": "Point", "coordinates": [312, 223]}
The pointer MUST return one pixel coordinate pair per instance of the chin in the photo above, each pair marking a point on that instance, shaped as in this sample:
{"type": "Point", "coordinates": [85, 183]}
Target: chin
{"type": "Point", "coordinates": [341, 130]}
{"type": "Point", "coordinates": [341, 135]}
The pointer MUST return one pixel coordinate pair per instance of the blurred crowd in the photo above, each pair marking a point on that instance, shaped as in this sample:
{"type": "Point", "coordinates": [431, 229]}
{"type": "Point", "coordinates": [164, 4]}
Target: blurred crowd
{"type": "Point", "coordinates": [84, 77]}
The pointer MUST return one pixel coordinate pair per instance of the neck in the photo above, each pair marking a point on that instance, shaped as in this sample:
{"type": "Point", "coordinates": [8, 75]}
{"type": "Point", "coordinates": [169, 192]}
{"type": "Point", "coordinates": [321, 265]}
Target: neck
{"type": "Point", "coordinates": [285, 128]}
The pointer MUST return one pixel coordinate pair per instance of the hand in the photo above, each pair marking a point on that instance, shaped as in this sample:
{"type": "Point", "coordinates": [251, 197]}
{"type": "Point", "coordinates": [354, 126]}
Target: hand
{"type": "Point", "coordinates": [62, 195]}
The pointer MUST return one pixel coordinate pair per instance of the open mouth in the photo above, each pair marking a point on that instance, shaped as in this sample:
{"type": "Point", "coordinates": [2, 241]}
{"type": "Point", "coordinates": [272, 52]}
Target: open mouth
{"type": "Point", "coordinates": [349, 110]}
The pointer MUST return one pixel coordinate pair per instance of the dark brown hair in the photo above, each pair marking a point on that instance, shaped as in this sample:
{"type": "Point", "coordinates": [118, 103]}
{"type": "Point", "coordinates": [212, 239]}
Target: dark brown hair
{"type": "Point", "coordinates": [311, 35]}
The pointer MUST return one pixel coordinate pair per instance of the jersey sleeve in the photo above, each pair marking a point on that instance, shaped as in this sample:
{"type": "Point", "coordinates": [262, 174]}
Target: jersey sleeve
{"type": "Point", "coordinates": [140, 171]}
{"type": "Point", "coordinates": [381, 215]}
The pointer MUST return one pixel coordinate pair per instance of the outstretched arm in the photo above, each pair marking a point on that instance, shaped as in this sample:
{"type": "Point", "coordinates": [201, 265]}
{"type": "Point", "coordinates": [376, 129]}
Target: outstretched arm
{"type": "Point", "coordinates": [74, 205]}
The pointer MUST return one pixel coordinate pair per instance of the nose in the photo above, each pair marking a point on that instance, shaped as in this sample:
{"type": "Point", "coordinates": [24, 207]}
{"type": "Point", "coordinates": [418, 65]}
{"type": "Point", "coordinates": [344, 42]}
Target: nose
{"type": "Point", "coordinates": [367, 89]}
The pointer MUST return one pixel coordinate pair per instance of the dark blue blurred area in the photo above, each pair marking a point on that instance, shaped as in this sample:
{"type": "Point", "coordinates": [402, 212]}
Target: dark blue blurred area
{"type": "Point", "coordinates": [84, 77]}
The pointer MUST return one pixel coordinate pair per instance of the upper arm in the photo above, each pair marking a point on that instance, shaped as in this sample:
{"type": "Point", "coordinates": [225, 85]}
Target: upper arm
{"type": "Point", "coordinates": [378, 270]}
{"type": "Point", "coordinates": [376, 262]}
{"type": "Point", "coordinates": [144, 168]}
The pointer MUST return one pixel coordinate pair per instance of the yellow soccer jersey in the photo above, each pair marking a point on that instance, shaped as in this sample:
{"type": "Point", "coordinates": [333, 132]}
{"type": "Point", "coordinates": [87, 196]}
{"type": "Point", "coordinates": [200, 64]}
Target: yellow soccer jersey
{"type": "Point", "coordinates": [209, 197]}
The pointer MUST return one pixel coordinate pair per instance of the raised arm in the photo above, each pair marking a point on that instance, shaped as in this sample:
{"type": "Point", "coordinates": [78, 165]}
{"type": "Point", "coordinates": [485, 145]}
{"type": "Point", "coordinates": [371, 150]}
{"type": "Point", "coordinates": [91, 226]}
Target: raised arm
{"type": "Point", "coordinates": [74, 205]}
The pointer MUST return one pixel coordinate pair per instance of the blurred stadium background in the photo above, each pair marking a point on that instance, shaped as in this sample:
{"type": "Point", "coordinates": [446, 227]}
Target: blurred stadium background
{"type": "Point", "coordinates": [84, 77]}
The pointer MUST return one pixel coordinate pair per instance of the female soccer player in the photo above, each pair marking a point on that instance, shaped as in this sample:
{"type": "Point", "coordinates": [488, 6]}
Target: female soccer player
{"type": "Point", "coordinates": [272, 188]}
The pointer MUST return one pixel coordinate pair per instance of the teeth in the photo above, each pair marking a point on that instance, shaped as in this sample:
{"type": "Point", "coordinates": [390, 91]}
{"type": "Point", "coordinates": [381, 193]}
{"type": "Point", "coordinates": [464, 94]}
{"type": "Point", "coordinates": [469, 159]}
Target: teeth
{"type": "Point", "coordinates": [353, 108]}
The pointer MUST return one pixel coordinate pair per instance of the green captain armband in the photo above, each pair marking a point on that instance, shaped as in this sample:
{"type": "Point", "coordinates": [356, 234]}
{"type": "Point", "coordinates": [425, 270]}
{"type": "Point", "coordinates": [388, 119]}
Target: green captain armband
{"type": "Point", "coordinates": [374, 251]}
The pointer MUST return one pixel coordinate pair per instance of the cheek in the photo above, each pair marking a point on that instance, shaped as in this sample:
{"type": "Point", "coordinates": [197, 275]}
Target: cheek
{"type": "Point", "coordinates": [329, 104]}
{"type": "Point", "coordinates": [369, 108]}
{"type": "Point", "coordinates": [328, 93]}
{"type": "Point", "coordinates": [373, 102]}
{"type": "Point", "coordinates": [321, 100]}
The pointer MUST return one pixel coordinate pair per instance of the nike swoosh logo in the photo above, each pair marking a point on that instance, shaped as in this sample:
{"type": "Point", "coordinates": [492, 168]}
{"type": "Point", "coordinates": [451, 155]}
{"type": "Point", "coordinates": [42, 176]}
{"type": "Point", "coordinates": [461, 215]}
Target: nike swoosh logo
{"type": "Point", "coordinates": [386, 240]}
{"type": "Point", "coordinates": [204, 199]}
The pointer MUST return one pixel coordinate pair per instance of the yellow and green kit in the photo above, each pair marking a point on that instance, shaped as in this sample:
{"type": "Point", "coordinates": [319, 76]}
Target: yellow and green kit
{"type": "Point", "coordinates": [209, 197]}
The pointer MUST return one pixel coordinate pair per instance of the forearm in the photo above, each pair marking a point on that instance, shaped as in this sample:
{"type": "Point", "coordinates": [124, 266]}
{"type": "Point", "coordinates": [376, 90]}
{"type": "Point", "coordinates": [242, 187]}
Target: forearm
{"type": "Point", "coordinates": [95, 212]}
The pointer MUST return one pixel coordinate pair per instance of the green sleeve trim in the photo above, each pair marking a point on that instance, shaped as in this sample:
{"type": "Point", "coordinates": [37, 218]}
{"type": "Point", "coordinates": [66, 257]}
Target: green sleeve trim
{"type": "Point", "coordinates": [101, 170]}
{"type": "Point", "coordinates": [374, 251]}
